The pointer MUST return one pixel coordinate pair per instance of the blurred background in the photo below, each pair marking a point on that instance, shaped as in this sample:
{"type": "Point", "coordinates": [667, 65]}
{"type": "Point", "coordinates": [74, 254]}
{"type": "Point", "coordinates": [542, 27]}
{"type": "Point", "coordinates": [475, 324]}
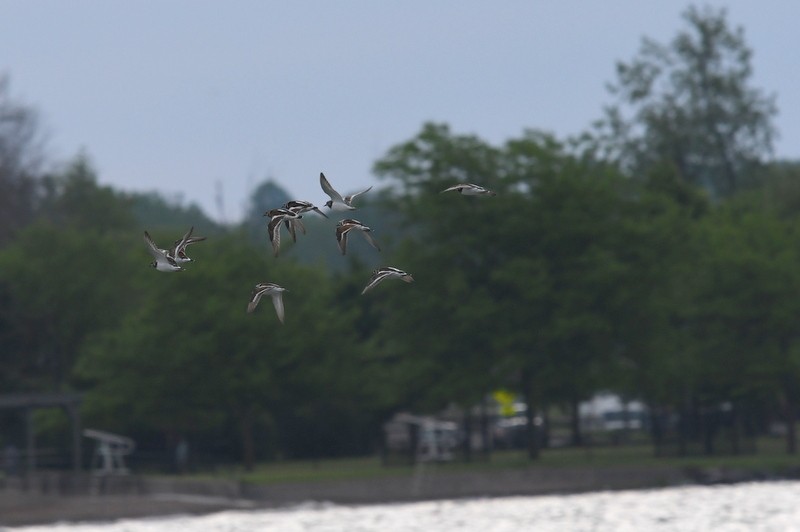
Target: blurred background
{"type": "Point", "coordinates": [634, 281]}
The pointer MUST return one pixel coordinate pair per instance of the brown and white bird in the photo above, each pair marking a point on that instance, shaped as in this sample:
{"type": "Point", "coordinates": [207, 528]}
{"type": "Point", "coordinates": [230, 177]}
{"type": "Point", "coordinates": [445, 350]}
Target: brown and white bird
{"type": "Point", "coordinates": [337, 202]}
{"type": "Point", "coordinates": [470, 189]}
{"type": "Point", "coordinates": [302, 207]}
{"type": "Point", "coordinates": [277, 217]}
{"type": "Point", "coordinates": [385, 273]}
{"type": "Point", "coordinates": [299, 207]}
{"type": "Point", "coordinates": [179, 249]}
{"type": "Point", "coordinates": [344, 227]}
{"type": "Point", "coordinates": [268, 289]}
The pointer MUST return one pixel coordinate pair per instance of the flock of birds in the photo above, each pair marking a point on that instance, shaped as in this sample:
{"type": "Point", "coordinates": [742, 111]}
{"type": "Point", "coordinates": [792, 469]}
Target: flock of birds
{"type": "Point", "coordinates": [289, 215]}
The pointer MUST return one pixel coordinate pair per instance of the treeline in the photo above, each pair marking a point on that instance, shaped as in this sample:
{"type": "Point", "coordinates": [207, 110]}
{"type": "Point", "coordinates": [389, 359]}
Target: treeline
{"type": "Point", "coordinates": [655, 255]}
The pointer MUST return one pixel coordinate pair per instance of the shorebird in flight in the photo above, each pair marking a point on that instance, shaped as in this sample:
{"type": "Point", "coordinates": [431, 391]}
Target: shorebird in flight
{"type": "Point", "coordinates": [179, 249]}
{"type": "Point", "coordinates": [344, 227]}
{"type": "Point", "coordinates": [470, 189]}
{"type": "Point", "coordinates": [299, 207]}
{"type": "Point", "coordinates": [385, 273]}
{"type": "Point", "coordinates": [337, 202]}
{"type": "Point", "coordinates": [268, 289]}
{"type": "Point", "coordinates": [277, 217]}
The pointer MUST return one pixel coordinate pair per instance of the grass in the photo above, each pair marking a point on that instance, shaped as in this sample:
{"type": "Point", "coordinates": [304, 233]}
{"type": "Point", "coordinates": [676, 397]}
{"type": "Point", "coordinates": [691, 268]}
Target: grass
{"type": "Point", "coordinates": [770, 457]}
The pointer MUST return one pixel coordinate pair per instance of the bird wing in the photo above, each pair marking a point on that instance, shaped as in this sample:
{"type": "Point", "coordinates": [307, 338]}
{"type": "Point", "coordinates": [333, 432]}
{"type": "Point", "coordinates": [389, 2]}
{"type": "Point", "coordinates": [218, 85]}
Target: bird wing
{"type": "Point", "coordinates": [349, 199]}
{"type": "Point", "coordinates": [181, 242]}
{"type": "Point", "coordinates": [157, 253]}
{"type": "Point", "coordinates": [255, 298]}
{"type": "Point", "coordinates": [193, 239]}
{"type": "Point", "coordinates": [377, 277]}
{"type": "Point", "coordinates": [341, 237]}
{"type": "Point", "coordinates": [277, 301]}
{"type": "Point", "coordinates": [290, 227]}
{"type": "Point", "coordinates": [274, 229]}
{"type": "Point", "coordinates": [328, 189]}
{"type": "Point", "coordinates": [368, 235]}
{"type": "Point", "coordinates": [454, 187]}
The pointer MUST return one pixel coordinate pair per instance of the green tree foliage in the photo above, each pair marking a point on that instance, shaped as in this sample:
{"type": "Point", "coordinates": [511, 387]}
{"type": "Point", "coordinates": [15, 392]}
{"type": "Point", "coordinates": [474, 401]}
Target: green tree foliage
{"type": "Point", "coordinates": [62, 278]}
{"type": "Point", "coordinates": [691, 103]}
{"type": "Point", "coordinates": [541, 283]}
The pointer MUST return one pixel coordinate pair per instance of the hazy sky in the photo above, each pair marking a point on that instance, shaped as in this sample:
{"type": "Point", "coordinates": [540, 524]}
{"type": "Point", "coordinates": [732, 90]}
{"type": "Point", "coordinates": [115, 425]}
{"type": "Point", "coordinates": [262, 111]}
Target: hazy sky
{"type": "Point", "coordinates": [176, 95]}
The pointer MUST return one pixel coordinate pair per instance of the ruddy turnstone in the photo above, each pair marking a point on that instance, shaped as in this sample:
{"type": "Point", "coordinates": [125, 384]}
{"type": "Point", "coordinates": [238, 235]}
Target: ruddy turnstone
{"type": "Point", "coordinates": [337, 202]}
{"type": "Point", "coordinates": [384, 273]}
{"type": "Point", "coordinates": [299, 207]}
{"type": "Point", "coordinates": [277, 217]}
{"type": "Point", "coordinates": [179, 249]}
{"type": "Point", "coordinates": [162, 259]}
{"type": "Point", "coordinates": [302, 207]}
{"type": "Point", "coordinates": [345, 226]}
{"type": "Point", "coordinates": [268, 289]}
{"type": "Point", "coordinates": [470, 189]}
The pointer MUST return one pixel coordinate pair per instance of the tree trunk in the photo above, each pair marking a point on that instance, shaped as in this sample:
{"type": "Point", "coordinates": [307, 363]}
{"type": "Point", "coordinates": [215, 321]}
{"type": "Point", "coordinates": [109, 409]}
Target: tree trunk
{"type": "Point", "coordinates": [530, 411]}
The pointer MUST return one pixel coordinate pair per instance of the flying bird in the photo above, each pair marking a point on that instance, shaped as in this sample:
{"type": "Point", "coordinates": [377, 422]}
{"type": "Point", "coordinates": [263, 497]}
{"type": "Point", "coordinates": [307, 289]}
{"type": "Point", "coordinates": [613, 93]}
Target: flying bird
{"type": "Point", "coordinates": [299, 207]}
{"type": "Point", "coordinates": [344, 227]}
{"type": "Point", "coordinates": [268, 289]}
{"type": "Point", "coordinates": [337, 202]}
{"type": "Point", "coordinates": [302, 207]}
{"type": "Point", "coordinates": [470, 189]}
{"type": "Point", "coordinates": [179, 249]}
{"type": "Point", "coordinates": [385, 273]}
{"type": "Point", "coordinates": [277, 217]}
{"type": "Point", "coordinates": [162, 259]}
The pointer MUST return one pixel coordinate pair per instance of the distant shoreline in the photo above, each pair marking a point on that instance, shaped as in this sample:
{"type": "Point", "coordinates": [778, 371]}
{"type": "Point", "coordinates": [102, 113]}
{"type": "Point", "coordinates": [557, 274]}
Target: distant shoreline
{"type": "Point", "coordinates": [141, 497]}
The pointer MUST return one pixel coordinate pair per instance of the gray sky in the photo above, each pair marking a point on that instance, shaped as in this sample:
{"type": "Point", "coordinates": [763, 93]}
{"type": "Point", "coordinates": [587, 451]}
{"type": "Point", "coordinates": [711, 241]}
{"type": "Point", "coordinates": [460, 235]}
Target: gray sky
{"type": "Point", "coordinates": [175, 95]}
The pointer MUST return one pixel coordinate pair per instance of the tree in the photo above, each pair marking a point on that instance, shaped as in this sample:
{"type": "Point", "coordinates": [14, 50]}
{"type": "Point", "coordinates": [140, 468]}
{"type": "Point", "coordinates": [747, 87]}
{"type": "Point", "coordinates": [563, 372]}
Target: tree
{"type": "Point", "coordinates": [21, 144]}
{"type": "Point", "coordinates": [745, 309]}
{"type": "Point", "coordinates": [537, 285]}
{"type": "Point", "coordinates": [61, 278]}
{"type": "Point", "coordinates": [691, 104]}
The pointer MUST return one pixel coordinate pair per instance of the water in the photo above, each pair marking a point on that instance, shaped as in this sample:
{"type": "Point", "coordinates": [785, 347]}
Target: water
{"type": "Point", "coordinates": [768, 506]}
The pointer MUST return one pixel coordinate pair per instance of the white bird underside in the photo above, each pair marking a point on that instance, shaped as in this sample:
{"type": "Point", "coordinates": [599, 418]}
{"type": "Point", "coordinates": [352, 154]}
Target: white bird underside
{"type": "Point", "coordinates": [272, 290]}
{"type": "Point", "coordinates": [337, 202]}
{"type": "Point", "coordinates": [470, 189]}
{"type": "Point", "coordinates": [386, 273]}
{"type": "Point", "coordinates": [162, 261]}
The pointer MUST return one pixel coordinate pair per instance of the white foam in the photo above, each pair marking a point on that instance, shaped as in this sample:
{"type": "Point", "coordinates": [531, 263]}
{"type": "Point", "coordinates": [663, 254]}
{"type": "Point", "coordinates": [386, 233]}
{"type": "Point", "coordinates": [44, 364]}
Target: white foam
{"type": "Point", "coordinates": [767, 506]}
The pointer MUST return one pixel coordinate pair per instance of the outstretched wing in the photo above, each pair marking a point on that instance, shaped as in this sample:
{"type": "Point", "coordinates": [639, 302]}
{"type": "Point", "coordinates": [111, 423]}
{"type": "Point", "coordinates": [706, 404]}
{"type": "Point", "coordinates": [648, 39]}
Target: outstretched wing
{"type": "Point", "coordinates": [277, 301]}
{"type": "Point", "coordinates": [349, 199]}
{"type": "Point", "coordinates": [341, 237]}
{"type": "Point", "coordinates": [152, 248]}
{"type": "Point", "coordinates": [370, 239]}
{"type": "Point", "coordinates": [328, 189]}
{"type": "Point", "coordinates": [274, 230]}
{"type": "Point", "coordinates": [256, 297]}
{"type": "Point", "coordinates": [377, 277]}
